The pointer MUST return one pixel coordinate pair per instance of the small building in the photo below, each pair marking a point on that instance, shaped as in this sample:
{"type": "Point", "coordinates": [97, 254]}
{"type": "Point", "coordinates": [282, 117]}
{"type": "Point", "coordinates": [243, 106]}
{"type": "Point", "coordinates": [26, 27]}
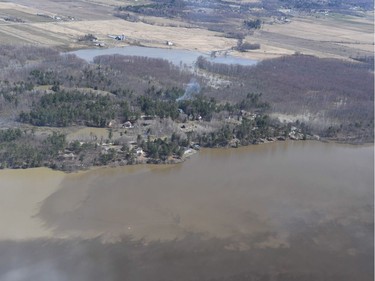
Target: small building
{"type": "Point", "coordinates": [169, 43]}
{"type": "Point", "coordinates": [139, 152]}
{"type": "Point", "coordinates": [148, 117]}
{"type": "Point", "coordinates": [127, 125]}
{"type": "Point", "coordinates": [69, 156]}
{"type": "Point", "coordinates": [120, 37]}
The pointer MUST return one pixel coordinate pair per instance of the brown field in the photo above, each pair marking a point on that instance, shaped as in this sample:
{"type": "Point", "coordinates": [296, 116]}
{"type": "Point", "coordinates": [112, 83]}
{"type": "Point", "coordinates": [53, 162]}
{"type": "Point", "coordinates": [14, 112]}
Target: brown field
{"type": "Point", "coordinates": [333, 36]}
{"type": "Point", "coordinates": [329, 36]}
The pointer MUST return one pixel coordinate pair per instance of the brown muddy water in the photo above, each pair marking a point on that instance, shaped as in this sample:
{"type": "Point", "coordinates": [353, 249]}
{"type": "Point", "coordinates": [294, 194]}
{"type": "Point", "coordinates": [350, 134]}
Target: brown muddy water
{"type": "Point", "coordinates": [281, 211]}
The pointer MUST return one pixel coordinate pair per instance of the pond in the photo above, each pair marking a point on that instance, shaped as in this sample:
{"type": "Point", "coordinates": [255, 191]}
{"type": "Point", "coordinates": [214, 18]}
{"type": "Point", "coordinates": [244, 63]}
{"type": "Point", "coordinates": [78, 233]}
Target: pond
{"type": "Point", "coordinates": [175, 56]}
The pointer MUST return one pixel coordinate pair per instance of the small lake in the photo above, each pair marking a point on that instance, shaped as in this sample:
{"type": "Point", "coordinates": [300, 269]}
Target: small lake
{"type": "Point", "coordinates": [177, 57]}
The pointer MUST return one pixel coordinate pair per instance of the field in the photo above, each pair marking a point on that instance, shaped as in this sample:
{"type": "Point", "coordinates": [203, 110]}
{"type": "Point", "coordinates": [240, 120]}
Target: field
{"type": "Point", "coordinates": [62, 23]}
{"type": "Point", "coordinates": [327, 36]}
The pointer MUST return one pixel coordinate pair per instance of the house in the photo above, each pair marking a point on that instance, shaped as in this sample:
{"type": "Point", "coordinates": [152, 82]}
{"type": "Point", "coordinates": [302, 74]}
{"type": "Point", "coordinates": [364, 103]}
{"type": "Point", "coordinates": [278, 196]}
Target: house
{"type": "Point", "coordinates": [120, 37]}
{"type": "Point", "coordinates": [139, 151]}
{"type": "Point", "coordinates": [127, 125]}
{"type": "Point", "coordinates": [69, 156]}
{"type": "Point", "coordinates": [148, 117]}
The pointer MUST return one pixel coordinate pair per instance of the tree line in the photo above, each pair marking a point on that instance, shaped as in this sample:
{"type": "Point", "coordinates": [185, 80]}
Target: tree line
{"type": "Point", "coordinates": [62, 109]}
{"type": "Point", "coordinates": [22, 149]}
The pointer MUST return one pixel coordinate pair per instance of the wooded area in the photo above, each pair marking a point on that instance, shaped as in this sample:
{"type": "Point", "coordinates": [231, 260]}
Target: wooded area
{"type": "Point", "coordinates": [42, 88]}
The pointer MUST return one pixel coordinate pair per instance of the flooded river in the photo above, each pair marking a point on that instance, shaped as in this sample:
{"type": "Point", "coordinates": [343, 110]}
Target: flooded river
{"type": "Point", "coordinates": [281, 211]}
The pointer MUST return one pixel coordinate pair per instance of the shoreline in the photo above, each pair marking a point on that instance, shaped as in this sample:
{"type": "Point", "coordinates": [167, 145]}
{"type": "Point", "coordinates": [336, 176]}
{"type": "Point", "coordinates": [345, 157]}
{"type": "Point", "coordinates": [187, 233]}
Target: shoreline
{"type": "Point", "coordinates": [192, 152]}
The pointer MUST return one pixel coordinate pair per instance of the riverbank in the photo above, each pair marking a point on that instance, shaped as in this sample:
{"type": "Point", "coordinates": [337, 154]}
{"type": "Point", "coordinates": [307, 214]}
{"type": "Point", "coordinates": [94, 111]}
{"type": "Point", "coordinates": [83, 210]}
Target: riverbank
{"type": "Point", "coordinates": [86, 148]}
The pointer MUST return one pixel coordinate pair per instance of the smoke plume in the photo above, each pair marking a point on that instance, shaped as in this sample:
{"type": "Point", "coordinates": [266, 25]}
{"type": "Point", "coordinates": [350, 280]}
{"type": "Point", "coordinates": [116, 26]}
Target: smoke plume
{"type": "Point", "coordinates": [192, 88]}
